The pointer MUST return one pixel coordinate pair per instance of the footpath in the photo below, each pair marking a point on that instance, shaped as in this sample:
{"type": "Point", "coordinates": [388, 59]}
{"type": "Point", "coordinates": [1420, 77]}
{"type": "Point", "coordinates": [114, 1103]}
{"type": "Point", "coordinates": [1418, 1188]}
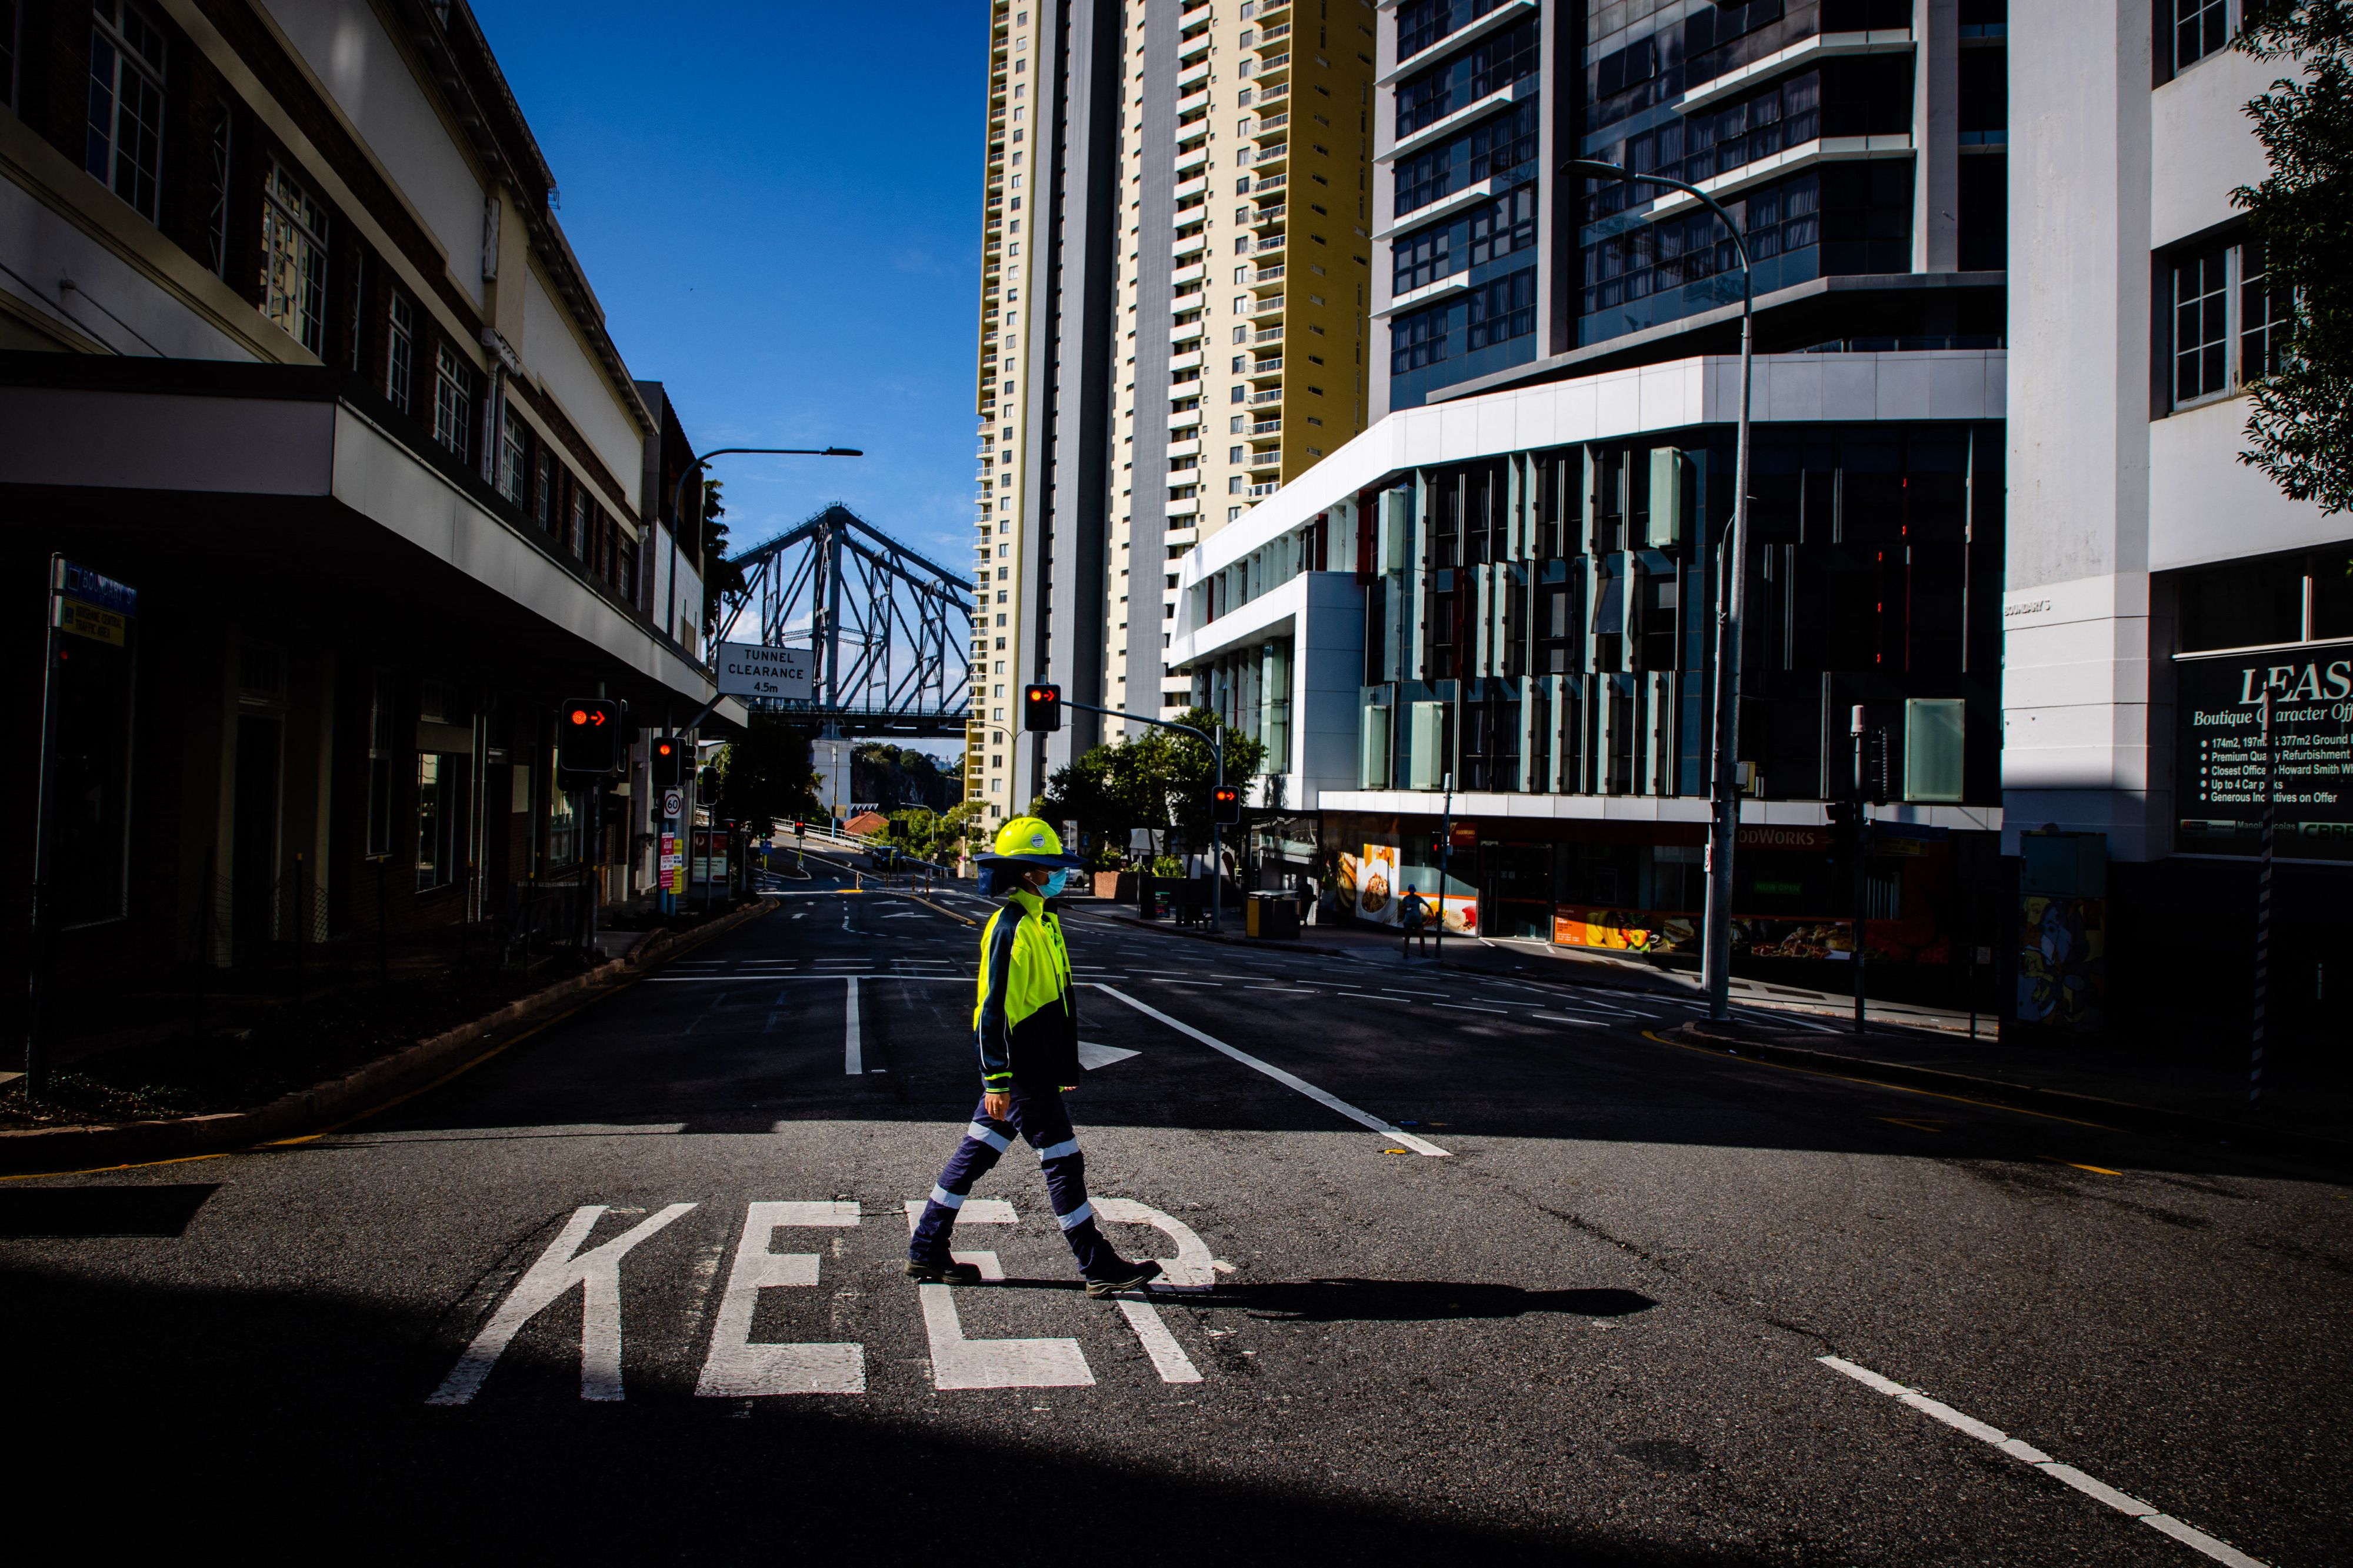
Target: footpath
{"type": "Point", "coordinates": [2303, 1112]}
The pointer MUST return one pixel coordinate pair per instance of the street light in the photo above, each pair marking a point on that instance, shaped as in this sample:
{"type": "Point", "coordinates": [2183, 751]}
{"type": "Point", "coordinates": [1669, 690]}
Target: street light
{"type": "Point", "coordinates": [677, 517]}
{"type": "Point", "coordinates": [677, 501]}
{"type": "Point", "coordinates": [1723, 784]}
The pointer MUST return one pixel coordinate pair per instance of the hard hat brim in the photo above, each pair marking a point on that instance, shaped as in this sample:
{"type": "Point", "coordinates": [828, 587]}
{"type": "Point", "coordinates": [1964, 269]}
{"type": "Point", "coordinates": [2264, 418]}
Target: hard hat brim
{"type": "Point", "coordinates": [1042, 862]}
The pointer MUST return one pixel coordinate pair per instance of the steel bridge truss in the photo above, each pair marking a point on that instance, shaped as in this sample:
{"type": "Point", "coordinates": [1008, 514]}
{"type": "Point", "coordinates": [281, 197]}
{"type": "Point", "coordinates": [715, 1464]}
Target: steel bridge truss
{"type": "Point", "coordinates": [889, 631]}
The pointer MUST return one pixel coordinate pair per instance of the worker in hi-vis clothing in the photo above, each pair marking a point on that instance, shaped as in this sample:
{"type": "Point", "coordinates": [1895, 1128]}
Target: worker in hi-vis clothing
{"type": "Point", "coordinates": [1026, 1024]}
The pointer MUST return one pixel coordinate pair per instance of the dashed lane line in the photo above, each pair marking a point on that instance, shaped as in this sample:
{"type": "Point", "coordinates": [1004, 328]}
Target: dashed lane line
{"type": "Point", "coordinates": [2196, 1540]}
{"type": "Point", "coordinates": [1289, 1080]}
{"type": "Point", "coordinates": [853, 1048]}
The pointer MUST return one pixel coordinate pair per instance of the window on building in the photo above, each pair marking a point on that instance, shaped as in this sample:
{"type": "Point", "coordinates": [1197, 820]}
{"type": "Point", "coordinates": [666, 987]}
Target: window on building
{"type": "Point", "coordinates": [2201, 331]}
{"type": "Point", "coordinates": [2264, 311]}
{"type": "Point", "coordinates": [1503, 309]}
{"type": "Point", "coordinates": [217, 194]}
{"type": "Point", "coordinates": [453, 401]}
{"type": "Point", "coordinates": [380, 758]}
{"type": "Point", "coordinates": [542, 501]}
{"type": "Point", "coordinates": [126, 103]}
{"type": "Point", "coordinates": [294, 259]}
{"type": "Point", "coordinates": [400, 352]}
{"type": "Point", "coordinates": [563, 824]}
{"type": "Point", "coordinates": [513, 454]}
{"type": "Point", "coordinates": [576, 536]}
{"type": "Point", "coordinates": [1494, 63]}
{"type": "Point", "coordinates": [2200, 28]}
{"type": "Point", "coordinates": [436, 784]}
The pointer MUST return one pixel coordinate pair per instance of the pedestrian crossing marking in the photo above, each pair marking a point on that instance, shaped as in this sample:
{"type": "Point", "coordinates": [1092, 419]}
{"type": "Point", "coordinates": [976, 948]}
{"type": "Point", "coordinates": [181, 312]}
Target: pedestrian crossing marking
{"type": "Point", "coordinates": [737, 1367]}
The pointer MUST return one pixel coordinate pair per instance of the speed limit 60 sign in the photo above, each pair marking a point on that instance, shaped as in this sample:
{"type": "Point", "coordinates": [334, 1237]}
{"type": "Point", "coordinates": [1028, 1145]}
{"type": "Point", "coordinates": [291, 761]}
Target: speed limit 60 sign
{"type": "Point", "coordinates": [673, 802]}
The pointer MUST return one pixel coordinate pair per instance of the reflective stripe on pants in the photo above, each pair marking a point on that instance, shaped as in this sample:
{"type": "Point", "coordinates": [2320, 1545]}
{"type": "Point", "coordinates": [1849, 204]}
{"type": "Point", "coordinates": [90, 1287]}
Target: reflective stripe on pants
{"type": "Point", "coordinates": [1037, 1115]}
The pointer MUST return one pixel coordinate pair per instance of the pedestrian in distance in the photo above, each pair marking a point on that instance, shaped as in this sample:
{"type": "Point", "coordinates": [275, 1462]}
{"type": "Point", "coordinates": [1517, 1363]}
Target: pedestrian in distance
{"type": "Point", "coordinates": [1413, 913]}
{"type": "Point", "coordinates": [1026, 1025]}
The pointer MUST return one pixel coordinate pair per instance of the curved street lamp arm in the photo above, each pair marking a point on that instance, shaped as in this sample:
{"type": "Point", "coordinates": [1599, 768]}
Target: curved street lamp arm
{"type": "Point", "coordinates": [1593, 169]}
{"type": "Point", "coordinates": [678, 498]}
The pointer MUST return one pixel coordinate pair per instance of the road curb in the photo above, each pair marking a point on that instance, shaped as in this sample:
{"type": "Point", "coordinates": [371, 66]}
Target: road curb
{"type": "Point", "coordinates": [57, 1149]}
{"type": "Point", "coordinates": [2026, 1097]}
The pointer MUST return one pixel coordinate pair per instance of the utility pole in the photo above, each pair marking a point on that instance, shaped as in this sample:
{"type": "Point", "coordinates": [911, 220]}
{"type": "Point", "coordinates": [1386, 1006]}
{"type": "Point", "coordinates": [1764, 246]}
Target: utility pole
{"type": "Point", "coordinates": [1723, 779]}
{"type": "Point", "coordinates": [1445, 850]}
{"type": "Point", "coordinates": [1862, 868]}
{"type": "Point", "coordinates": [2263, 910]}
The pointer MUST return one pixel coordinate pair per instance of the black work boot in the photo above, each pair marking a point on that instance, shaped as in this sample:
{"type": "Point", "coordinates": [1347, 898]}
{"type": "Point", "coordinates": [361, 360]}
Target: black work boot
{"type": "Point", "coordinates": [943, 1272]}
{"type": "Point", "coordinates": [1124, 1277]}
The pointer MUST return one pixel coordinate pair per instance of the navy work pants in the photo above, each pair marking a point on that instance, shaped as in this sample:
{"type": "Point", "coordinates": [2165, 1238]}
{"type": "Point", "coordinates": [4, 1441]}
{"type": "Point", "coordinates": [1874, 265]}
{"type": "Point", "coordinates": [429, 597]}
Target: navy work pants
{"type": "Point", "coordinates": [1038, 1116]}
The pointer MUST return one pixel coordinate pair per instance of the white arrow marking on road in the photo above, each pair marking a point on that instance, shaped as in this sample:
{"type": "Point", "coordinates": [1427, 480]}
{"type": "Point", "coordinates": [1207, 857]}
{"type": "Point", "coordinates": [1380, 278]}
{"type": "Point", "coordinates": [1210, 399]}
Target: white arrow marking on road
{"type": "Point", "coordinates": [1192, 1265]}
{"type": "Point", "coordinates": [854, 1055]}
{"type": "Point", "coordinates": [960, 1363]}
{"type": "Point", "coordinates": [2197, 1540]}
{"type": "Point", "coordinates": [598, 1272]}
{"type": "Point", "coordinates": [1289, 1080]}
{"type": "Point", "coordinates": [737, 1367]}
{"type": "Point", "coordinates": [1091, 1055]}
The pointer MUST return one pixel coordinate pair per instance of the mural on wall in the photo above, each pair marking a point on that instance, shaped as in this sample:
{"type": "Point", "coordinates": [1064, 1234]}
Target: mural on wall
{"type": "Point", "coordinates": [1625, 931]}
{"type": "Point", "coordinates": [2061, 960]}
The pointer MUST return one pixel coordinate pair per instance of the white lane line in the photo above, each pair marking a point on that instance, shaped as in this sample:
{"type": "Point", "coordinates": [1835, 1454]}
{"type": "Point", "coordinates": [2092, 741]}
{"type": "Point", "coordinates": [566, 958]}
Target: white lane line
{"type": "Point", "coordinates": [2198, 1540]}
{"type": "Point", "coordinates": [1467, 1007]}
{"type": "Point", "coordinates": [853, 1052]}
{"type": "Point", "coordinates": [1289, 1080]}
{"type": "Point", "coordinates": [1564, 1018]}
{"type": "Point", "coordinates": [1395, 992]}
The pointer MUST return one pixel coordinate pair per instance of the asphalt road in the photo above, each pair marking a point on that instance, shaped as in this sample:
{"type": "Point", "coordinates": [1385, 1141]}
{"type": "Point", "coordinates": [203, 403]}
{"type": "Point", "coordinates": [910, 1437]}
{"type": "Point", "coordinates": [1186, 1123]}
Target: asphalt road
{"type": "Point", "coordinates": [1587, 1325]}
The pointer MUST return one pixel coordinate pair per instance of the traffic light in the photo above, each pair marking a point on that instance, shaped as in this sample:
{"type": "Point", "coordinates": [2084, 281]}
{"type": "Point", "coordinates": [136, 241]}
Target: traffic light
{"type": "Point", "coordinates": [588, 735]}
{"type": "Point", "coordinates": [1225, 805]}
{"type": "Point", "coordinates": [1041, 708]}
{"type": "Point", "coordinates": [668, 764]}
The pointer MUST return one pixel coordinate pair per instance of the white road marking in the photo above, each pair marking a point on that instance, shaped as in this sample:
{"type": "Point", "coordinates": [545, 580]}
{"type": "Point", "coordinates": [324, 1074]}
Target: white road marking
{"type": "Point", "coordinates": [854, 1055]}
{"type": "Point", "coordinates": [1168, 1357]}
{"type": "Point", "coordinates": [1468, 1007]}
{"type": "Point", "coordinates": [736, 1367]}
{"type": "Point", "coordinates": [2198, 1540]}
{"type": "Point", "coordinates": [1564, 1018]}
{"type": "Point", "coordinates": [1289, 1080]}
{"type": "Point", "coordinates": [598, 1272]}
{"type": "Point", "coordinates": [1091, 1055]}
{"type": "Point", "coordinates": [960, 1363]}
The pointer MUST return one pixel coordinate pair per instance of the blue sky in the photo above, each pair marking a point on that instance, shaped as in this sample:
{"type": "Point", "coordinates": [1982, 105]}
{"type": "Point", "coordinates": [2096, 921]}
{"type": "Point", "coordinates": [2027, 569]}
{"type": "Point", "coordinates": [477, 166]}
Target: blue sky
{"type": "Point", "coordinates": [778, 207]}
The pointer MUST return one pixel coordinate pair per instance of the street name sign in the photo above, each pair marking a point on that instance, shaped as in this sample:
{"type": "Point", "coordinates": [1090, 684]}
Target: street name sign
{"type": "Point", "coordinates": [756, 670]}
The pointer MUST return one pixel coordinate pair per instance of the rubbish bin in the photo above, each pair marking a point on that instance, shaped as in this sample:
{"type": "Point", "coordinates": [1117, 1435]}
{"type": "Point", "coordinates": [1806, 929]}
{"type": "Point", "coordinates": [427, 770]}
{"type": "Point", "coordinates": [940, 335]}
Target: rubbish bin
{"type": "Point", "coordinates": [1272, 917]}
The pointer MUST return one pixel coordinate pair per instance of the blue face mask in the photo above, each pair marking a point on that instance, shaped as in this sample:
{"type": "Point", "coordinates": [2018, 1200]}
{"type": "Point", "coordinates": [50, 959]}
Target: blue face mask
{"type": "Point", "coordinates": [1055, 884]}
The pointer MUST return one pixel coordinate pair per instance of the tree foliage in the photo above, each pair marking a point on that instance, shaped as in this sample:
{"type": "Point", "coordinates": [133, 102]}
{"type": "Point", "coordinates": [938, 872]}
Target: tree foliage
{"type": "Point", "coordinates": [765, 777]}
{"type": "Point", "coordinates": [719, 577]}
{"type": "Point", "coordinates": [1158, 781]}
{"type": "Point", "coordinates": [2300, 427]}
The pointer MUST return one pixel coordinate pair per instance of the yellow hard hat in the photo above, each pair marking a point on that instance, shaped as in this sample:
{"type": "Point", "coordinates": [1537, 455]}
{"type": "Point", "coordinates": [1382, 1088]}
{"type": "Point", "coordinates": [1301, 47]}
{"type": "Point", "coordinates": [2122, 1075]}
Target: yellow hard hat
{"type": "Point", "coordinates": [1029, 841]}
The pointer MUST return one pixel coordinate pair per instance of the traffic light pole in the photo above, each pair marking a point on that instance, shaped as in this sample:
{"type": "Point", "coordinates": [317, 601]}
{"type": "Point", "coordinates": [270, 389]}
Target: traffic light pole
{"type": "Point", "coordinates": [1217, 745]}
{"type": "Point", "coordinates": [1862, 868]}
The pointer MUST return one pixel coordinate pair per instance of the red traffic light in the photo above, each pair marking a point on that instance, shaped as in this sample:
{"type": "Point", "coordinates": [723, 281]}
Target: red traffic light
{"type": "Point", "coordinates": [1041, 708]}
{"type": "Point", "coordinates": [1226, 804]}
{"type": "Point", "coordinates": [584, 743]}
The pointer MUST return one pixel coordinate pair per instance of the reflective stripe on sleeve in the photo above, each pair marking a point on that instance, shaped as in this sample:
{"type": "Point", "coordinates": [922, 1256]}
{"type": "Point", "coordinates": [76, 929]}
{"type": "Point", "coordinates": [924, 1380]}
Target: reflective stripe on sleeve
{"type": "Point", "coordinates": [1062, 1150]}
{"type": "Point", "coordinates": [996, 1140]}
{"type": "Point", "coordinates": [1077, 1215]}
{"type": "Point", "coordinates": [946, 1198]}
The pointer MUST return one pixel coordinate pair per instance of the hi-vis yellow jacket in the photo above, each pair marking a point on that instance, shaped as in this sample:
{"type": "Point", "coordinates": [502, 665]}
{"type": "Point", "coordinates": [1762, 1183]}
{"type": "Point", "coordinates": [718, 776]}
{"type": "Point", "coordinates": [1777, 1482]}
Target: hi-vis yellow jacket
{"type": "Point", "coordinates": [1025, 1018]}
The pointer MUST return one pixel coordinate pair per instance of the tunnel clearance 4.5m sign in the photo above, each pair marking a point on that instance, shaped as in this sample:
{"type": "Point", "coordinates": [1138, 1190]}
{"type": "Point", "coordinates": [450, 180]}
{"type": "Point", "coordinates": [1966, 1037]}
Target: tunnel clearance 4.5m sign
{"type": "Point", "coordinates": [754, 670]}
{"type": "Point", "coordinates": [2220, 757]}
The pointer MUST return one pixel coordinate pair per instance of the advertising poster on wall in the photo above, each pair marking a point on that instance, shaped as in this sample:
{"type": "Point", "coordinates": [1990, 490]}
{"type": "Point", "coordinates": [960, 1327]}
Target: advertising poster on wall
{"type": "Point", "coordinates": [1459, 910]}
{"type": "Point", "coordinates": [1377, 884]}
{"type": "Point", "coordinates": [2061, 962]}
{"type": "Point", "coordinates": [1625, 931]}
{"type": "Point", "coordinates": [2220, 754]}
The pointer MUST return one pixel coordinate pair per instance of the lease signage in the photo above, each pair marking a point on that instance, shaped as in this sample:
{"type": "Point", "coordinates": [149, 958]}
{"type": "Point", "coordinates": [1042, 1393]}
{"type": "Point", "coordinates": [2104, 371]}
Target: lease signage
{"type": "Point", "coordinates": [2224, 770]}
{"type": "Point", "coordinates": [756, 670]}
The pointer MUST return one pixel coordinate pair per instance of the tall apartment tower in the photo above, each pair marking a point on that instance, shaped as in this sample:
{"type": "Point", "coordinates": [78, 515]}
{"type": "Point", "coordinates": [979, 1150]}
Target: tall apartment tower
{"type": "Point", "coordinates": [1859, 143]}
{"type": "Point", "coordinates": [1176, 279]}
